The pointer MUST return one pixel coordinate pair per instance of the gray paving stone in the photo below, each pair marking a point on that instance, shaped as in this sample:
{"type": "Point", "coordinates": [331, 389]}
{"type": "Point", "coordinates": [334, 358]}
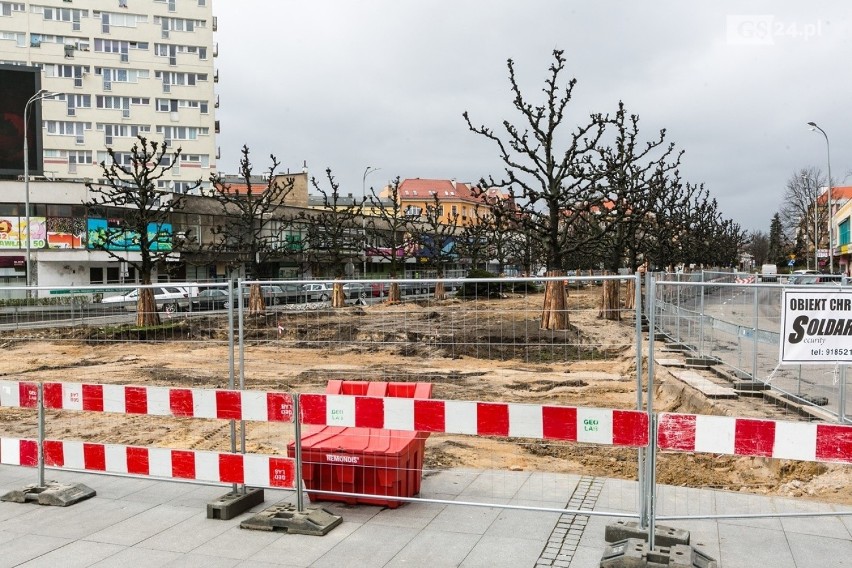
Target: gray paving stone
{"type": "Point", "coordinates": [27, 547]}
{"type": "Point", "coordinates": [77, 554]}
{"type": "Point", "coordinates": [141, 526]}
{"type": "Point", "coordinates": [435, 548]}
{"type": "Point", "coordinates": [812, 550]}
{"type": "Point", "coordinates": [139, 558]}
{"type": "Point", "coordinates": [300, 549]}
{"type": "Point", "coordinates": [503, 551]}
{"type": "Point", "coordinates": [188, 534]}
{"type": "Point", "coordinates": [367, 546]}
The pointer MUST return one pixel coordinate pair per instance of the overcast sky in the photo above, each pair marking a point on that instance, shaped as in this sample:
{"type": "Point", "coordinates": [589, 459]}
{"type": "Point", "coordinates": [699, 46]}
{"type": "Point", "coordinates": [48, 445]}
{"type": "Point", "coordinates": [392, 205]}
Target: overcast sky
{"type": "Point", "coordinates": [347, 84]}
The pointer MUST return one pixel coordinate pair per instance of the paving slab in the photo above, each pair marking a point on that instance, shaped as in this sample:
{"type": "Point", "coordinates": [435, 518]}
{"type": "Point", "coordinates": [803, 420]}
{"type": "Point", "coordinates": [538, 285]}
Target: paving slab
{"type": "Point", "coordinates": [134, 525]}
{"type": "Point", "coordinates": [706, 386]}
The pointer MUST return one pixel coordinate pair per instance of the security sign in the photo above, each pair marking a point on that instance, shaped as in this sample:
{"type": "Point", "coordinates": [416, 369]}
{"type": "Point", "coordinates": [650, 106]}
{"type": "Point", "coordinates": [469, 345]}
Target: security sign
{"type": "Point", "coordinates": [816, 327]}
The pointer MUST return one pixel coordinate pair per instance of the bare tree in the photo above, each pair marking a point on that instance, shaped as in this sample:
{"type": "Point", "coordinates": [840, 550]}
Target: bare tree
{"type": "Point", "coordinates": [552, 176]}
{"type": "Point", "coordinates": [634, 172]}
{"type": "Point", "coordinates": [255, 226]}
{"type": "Point", "coordinates": [333, 235]}
{"type": "Point", "coordinates": [145, 213]}
{"type": "Point", "coordinates": [389, 231]}
{"type": "Point", "coordinates": [435, 236]}
{"type": "Point", "coordinates": [473, 241]}
{"type": "Point", "coordinates": [758, 247]}
{"type": "Point", "coordinates": [803, 217]}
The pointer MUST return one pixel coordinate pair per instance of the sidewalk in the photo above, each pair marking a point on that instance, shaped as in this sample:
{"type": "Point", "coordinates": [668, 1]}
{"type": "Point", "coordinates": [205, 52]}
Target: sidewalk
{"type": "Point", "coordinates": [146, 523]}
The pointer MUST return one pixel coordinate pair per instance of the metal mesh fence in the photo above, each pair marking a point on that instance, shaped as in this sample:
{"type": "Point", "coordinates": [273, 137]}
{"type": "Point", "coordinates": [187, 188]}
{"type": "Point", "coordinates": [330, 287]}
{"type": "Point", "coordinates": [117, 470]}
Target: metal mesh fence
{"type": "Point", "coordinates": [738, 325]}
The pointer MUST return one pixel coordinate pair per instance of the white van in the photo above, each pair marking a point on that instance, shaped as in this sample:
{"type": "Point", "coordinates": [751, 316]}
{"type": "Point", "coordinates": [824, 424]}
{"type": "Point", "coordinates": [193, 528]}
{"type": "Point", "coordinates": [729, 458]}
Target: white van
{"type": "Point", "coordinates": [769, 273]}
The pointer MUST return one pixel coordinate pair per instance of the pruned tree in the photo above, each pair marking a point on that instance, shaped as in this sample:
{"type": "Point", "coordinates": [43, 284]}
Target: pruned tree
{"type": "Point", "coordinates": [254, 226]}
{"type": "Point", "coordinates": [551, 175]}
{"type": "Point", "coordinates": [473, 241]}
{"type": "Point", "coordinates": [633, 173]}
{"type": "Point", "coordinates": [130, 192]}
{"type": "Point", "coordinates": [388, 231]}
{"type": "Point", "coordinates": [505, 240]}
{"type": "Point", "coordinates": [332, 236]}
{"type": "Point", "coordinates": [435, 236]}
{"type": "Point", "coordinates": [673, 201]}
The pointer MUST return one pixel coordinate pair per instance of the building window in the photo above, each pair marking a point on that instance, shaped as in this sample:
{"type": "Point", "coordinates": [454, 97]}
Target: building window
{"type": "Point", "coordinates": [843, 229]}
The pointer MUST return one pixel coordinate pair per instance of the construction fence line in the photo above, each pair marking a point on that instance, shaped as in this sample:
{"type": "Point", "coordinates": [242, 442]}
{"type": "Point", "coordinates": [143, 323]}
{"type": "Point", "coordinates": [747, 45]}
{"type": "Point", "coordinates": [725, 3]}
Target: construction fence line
{"type": "Point", "coordinates": [676, 432]}
{"type": "Point", "coordinates": [723, 317]}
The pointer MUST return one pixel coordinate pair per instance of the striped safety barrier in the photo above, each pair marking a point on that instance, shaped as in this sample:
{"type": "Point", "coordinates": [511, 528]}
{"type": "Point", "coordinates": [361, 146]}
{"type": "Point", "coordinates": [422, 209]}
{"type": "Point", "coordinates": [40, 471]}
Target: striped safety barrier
{"type": "Point", "coordinates": [587, 425]}
{"type": "Point", "coordinates": [155, 401]}
{"type": "Point", "coordinates": [802, 441]}
{"type": "Point", "coordinates": [255, 470]}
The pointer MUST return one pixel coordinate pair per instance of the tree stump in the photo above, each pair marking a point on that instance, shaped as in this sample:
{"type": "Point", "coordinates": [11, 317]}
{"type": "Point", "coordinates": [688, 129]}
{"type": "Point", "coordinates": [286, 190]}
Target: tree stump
{"type": "Point", "coordinates": [554, 313]}
{"type": "Point", "coordinates": [611, 301]}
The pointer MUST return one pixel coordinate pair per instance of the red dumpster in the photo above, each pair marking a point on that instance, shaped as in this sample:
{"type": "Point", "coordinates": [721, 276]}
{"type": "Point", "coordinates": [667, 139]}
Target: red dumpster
{"type": "Point", "coordinates": [364, 460]}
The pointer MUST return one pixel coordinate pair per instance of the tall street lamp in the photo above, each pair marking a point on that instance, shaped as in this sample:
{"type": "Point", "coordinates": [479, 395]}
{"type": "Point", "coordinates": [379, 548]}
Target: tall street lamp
{"type": "Point", "coordinates": [42, 94]}
{"type": "Point", "coordinates": [367, 171]}
{"type": "Point", "coordinates": [814, 127]}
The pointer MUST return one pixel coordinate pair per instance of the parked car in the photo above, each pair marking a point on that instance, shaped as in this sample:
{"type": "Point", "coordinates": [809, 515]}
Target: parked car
{"type": "Point", "coordinates": [168, 299]}
{"type": "Point", "coordinates": [210, 299]}
{"type": "Point", "coordinates": [292, 294]}
{"type": "Point", "coordinates": [810, 279]}
{"type": "Point", "coordinates": [319, 291]}
{"type": "Point", "coordinates": [358, 290]}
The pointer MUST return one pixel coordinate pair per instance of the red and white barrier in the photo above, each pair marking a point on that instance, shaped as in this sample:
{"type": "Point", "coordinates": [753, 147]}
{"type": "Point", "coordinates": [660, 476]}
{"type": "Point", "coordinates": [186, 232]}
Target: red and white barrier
{"type": "Point", "coordinates": [250, 469]}
{"type": "Point", "coordinates": [155, 401]}
{"type": "Point", "coordinates": [751, 437]}
{"type": "Point", "coordinates": [588, 425]}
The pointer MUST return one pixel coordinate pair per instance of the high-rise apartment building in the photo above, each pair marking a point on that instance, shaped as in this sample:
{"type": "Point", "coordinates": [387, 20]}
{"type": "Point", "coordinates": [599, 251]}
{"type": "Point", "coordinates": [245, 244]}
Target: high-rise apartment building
{"type": "Point", "coordinates": [121, 68]}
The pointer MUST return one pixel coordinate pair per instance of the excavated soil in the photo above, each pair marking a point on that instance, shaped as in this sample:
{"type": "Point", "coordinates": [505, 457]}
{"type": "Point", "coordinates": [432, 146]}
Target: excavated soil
{"type": "Point", "coordinates": [489, 350]}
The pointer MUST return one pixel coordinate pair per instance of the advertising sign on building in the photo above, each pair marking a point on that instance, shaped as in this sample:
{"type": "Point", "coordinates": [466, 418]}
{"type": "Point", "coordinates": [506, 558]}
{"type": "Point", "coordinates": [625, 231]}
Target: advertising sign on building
{"type": "Point", "coordinates": [13, 231]}
{"type": "Point", "coordinates": [816, 326]}
{"type": "Point", "coordinates": [112, 234]}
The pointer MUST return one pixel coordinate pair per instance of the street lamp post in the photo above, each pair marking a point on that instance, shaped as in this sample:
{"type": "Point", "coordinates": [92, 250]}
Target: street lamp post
{"type": "Point", "coordinates": [42, 94]}
{"type": "Point", "coordinates": [367, 171]}
{"type": "Point", "coordinates": [814, 127]}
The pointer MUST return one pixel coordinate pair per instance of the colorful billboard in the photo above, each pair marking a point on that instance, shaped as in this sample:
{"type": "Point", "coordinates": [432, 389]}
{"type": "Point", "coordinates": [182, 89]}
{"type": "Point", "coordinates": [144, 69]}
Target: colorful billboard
{"type": "Point", "coordinates": [66, 233]}
{"type": "Point", "coordinates": [13, 231]}
{"type": "Point", "coordinates": [18, 83]}
{"type": "Point", "coordinates": [112, 234]}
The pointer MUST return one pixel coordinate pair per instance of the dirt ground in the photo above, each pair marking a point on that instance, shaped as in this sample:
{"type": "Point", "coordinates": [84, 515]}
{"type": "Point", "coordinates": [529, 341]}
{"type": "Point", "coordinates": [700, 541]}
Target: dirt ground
{"type": "Point", "coordinates": [486, 359]}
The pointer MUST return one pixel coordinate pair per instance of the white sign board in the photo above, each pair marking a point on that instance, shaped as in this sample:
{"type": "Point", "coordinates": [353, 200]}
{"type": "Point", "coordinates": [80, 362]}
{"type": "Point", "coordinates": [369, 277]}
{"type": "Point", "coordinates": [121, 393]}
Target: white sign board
{"type": "Point", "coordinates": [816, 327]}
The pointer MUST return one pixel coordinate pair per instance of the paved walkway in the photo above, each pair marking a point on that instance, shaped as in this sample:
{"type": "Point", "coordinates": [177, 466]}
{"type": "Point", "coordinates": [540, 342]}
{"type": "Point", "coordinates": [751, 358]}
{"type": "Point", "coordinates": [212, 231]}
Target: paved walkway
{"type": "Point", "coordinates": [146, 523]}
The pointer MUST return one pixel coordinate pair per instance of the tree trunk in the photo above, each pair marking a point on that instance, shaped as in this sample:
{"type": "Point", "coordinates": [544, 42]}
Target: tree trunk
{"type": "Point", "coordinates": [440, 291]}
{"type": "Point", "coordinates": [630, 294]}
{"type": "Point", "coordinates": [611, 301]}
{"type": "Point", "coordinates": [338, 296]}
{"type": "Point", "coordinates": [256, 305]}
{"type": "Point", "coordinates": [146, 309]}
{"type": "Point", "coordinates": [394, 294]}
{"type": "Point", "coordinates": [554, 313]}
